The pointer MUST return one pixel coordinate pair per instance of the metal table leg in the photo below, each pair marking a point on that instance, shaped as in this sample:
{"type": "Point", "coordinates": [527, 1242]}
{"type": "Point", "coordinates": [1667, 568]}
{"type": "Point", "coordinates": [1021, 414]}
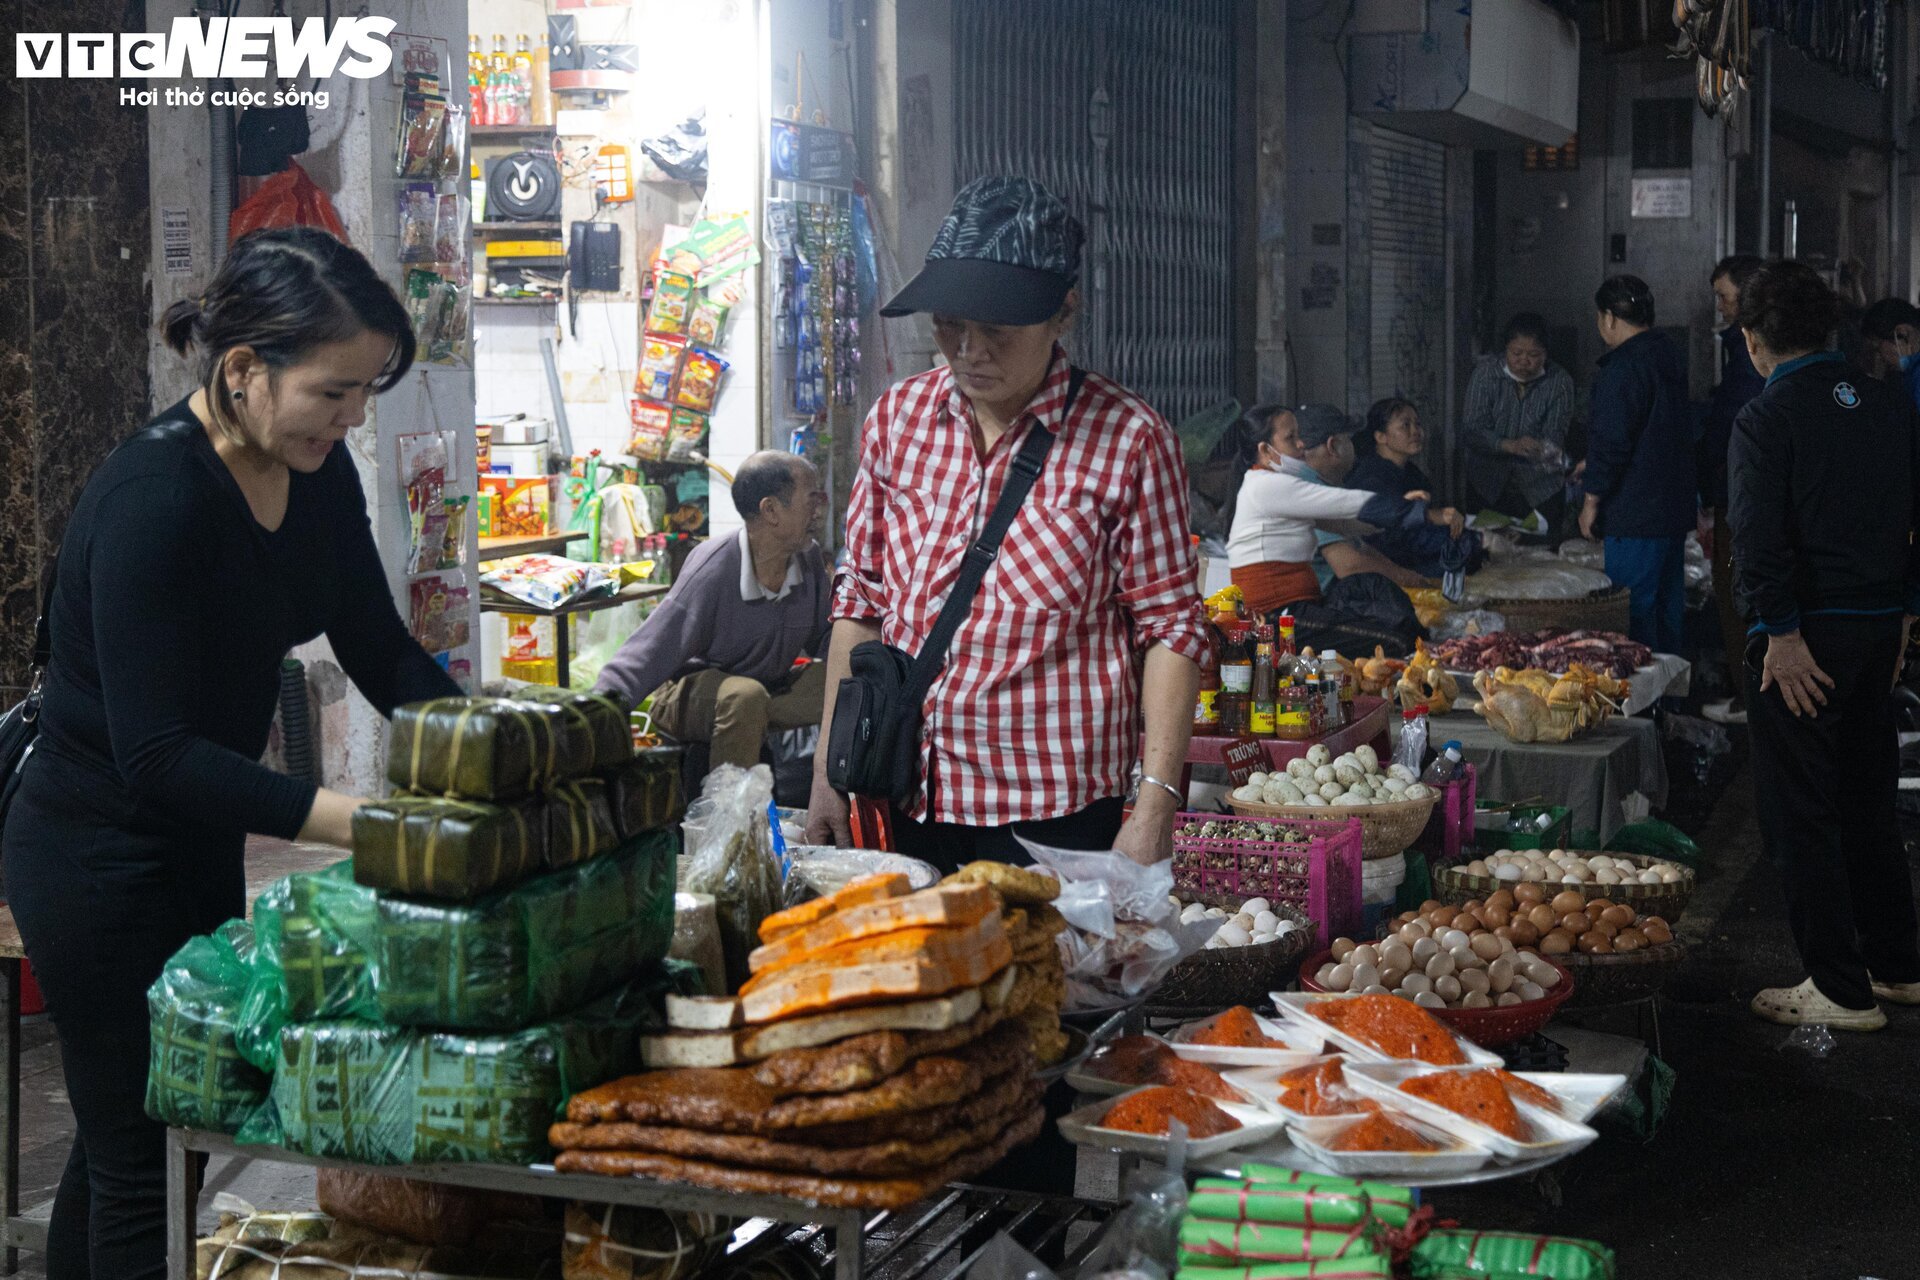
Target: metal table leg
{"type": "Point", "coordinates": [183, 1206]}
{"type": "Point", "coordinates": [10, 1105]}
{"type": "Point", "coordinates": [562, 651]}
{"type": "Point", "coordinates": [849, 1245]}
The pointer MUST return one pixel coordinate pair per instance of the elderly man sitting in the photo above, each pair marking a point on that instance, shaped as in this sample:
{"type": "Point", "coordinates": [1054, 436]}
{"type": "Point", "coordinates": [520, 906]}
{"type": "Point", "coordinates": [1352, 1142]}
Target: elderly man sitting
{"type": "Point", "coordinates": [717, 654]}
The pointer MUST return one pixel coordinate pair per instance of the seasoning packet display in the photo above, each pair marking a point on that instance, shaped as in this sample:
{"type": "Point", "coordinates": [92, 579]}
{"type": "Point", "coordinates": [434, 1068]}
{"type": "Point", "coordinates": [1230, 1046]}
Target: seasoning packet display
{"type": "Point", "coordinates": [438, 611]}
{"type": "Point", "coordinates": [700, 376]}
{"type": "Point", "coordinates": [708, 320]}
{"type": "Point", "coordinates": [672, 300]}
{"type": "Point", "coordinates": [659, 366]}
{"type": "Point", "coordinates": [686, 432]}
{"type": "Point", "coordinates": [652, 430]}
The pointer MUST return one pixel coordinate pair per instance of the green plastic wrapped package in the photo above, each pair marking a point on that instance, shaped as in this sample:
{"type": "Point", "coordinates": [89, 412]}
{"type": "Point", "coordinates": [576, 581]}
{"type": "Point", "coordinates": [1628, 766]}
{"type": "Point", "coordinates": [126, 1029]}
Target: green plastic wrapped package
{"type": "Point", "coordinates": [387, 1096]}
{"type": "Point", "coordinates": [456, 850]}
{"type": "Point", "coordinates": [484, 748]}
{"type": "Point", "coordinates": [1223, 1200]}
{"type": "Point", "coordinates": [1208, 1243]}
{"type": "Point", "coordinates": [197, 1077]}
{"type": "Point", "coordinates": [1509, 1255]}
{"type": "Point", "coordinates": [510, 959]}
{"type": "Point", "coordinates": [1261, 1195]}
{"type": "Point", "coordinates": [599, 717]}
{"type": "Point", "coordinates": [579, 822]}
{"type": "Point", "coordinates": [645, 791]}
{"type": "Point", "coordinates": [1372, 1266]}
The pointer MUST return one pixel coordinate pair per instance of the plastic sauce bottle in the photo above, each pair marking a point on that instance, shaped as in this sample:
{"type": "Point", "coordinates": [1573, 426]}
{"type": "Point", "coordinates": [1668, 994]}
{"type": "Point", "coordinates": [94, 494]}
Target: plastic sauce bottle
{"type": "Point", "coordinates": [1330, 688]}
{"type": "Point", "coordinates": [1260, 711]}
{"type": "Point", "coordinates": [1206, 712]}
{"type": "Point", "coordinates": [542, 84]}
{"type": "Point", "coordinates": [1236, 679]}
{"type": "Point", "coordinates": [1411, 750]}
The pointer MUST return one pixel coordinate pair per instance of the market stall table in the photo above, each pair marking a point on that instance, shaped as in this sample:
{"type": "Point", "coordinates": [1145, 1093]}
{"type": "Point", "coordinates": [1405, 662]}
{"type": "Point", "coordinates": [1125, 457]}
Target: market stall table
{"type": "Point", "coordinates": [267, 861]}
{"type": "Point", "coordinates": [1667, 676]}
{"type": "Point", "coordinates": [1371, 717]}
{"type": "Point", "coordinates": [562, 641]}
{"type": "Point", "coordinates": [1592, 775]}
{"type": "Point", "coordinates": [535, 544]}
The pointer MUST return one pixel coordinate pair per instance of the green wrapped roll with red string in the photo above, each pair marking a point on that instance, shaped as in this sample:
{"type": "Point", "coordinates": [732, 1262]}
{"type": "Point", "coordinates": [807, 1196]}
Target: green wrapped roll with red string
{"type": "Point", "coordinates": [1206, 1243]}
{"type": "Point", "coordinates": [1509, 1255]}
{"type": "Point", "coordinates": [1338, 1203]}
{"type": "Point", "coordinates": [1369, 1267]}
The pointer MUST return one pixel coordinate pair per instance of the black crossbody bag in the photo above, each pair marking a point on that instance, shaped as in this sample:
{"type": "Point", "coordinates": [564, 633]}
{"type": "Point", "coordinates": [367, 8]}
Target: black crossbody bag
{"type": "Point", "coordinates": [873, 746]}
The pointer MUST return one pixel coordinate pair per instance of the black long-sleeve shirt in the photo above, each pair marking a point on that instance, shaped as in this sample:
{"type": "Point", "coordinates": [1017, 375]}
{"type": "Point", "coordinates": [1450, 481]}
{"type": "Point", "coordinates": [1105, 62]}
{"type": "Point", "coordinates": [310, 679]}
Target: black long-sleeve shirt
{"type": "Point", "coordinates": [172, 611]}
{"type": "Point", "coordinates": [1825, 486]}
{"type": "Point", "coordinates": [1640, 446]}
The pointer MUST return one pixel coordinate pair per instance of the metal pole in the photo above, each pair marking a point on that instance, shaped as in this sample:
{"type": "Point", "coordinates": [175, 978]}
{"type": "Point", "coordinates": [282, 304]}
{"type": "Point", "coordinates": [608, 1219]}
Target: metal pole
{"type": "Point", "coordinates": [1763, 143]}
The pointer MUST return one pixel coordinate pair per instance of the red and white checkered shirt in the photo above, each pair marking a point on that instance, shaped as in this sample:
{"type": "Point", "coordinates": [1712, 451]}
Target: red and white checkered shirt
{"type": "Point", "coordinates": [1037, 712]}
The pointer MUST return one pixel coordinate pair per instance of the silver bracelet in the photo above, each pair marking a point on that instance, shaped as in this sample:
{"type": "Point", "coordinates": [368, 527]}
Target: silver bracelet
{"type": "Point", "coordinates": [1178, 795]}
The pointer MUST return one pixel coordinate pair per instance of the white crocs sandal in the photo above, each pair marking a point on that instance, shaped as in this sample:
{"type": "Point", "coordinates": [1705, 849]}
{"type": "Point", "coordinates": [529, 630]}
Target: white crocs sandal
{"type": "Point", "coordinates": [1804, 1006]}
{"type": "Point", "coordinates": [1898, 992]}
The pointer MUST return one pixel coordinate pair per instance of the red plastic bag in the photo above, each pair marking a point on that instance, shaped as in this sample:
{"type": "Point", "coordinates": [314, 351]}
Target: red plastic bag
{"type": "Point", "coordinates": [288, 199]}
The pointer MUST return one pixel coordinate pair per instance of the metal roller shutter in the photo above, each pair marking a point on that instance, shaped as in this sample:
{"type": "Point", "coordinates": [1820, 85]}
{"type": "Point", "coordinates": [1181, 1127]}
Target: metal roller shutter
{"type": "Point", "coordinates": [1124, 109]}
{"type": "Point", "coordinates": [1407, 286]}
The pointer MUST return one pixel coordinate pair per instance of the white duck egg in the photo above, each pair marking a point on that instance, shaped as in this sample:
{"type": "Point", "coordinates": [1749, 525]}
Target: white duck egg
{"type": "Point", "coordinates": [1428, 1000]}
{"type": "Point", "coordinates": [1414, 983]}
{"type": "Point", "coordinates": [1266, 922]}
{"type": "Point", "coordinates": [1340, 978]}
{"type": "Point", "coordinates": [1317, 755]}
{"type": "Point", "coordinates": [1256, 905]}
{"type": "Point", "coordinates": [1366, 975]}
{"type": "Point", "coordinates": [1232, 935]}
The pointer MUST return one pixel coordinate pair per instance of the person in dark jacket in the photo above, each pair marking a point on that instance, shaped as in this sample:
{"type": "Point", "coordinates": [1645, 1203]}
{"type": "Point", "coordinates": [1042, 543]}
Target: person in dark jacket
{"type": "Point", "coordinates": [1639, 480]}
{"type": "Point", "coordinates": [1890, 337]}
{"type": "Point", "coordinates": [1388, 447]}
{"type": "Point", "coordinates": [199, 553]}
{"type": "Point", "coordinates": [1739, 382]}
{"type": "Point", "coordinates": [1825, 487]}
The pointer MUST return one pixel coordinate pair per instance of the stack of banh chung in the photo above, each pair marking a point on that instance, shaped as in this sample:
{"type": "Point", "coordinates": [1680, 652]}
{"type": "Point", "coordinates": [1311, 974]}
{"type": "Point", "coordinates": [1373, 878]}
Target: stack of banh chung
{"type": "Point", "coordinates": [880, 1050]}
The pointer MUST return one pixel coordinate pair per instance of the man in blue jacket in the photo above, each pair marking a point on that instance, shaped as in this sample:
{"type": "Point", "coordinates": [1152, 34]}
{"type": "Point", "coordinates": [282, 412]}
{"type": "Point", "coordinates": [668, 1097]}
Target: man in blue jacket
{"type": "Point", "coordinates": [1640, 475]}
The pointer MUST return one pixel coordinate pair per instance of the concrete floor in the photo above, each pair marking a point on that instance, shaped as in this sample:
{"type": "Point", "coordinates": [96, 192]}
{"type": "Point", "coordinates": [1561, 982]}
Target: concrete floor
{"type": "Point", "coordinates": [1769, 1163]}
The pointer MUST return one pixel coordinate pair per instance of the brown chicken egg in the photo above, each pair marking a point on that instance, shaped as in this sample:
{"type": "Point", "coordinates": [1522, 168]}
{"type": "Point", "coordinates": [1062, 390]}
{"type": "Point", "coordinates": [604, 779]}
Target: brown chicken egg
{"type": "Point", "coordinates": [1543, 917]}
{"type": "Point", "coordinates": [1595, 944]}
{"type": "Point", "coordinates": [1576, 922]}
{"type": "Point", "coordinates": [1528, 892]}
{"type": "Point", "coordinates": [1556, 942]}
{"type": "Point", "coordinates": [1568, 900]}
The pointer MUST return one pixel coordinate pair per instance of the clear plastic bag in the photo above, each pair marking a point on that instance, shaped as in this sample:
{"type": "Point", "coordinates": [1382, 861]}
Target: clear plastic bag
{"type": "Point", "coordinates": [1468, 622]}
{"type": "Point", "coordinates": [729, 854]}
{"type": "Point", "coordinates": [1126, 933]}
{"type": "Point", "coordinates": [1142, 1240]}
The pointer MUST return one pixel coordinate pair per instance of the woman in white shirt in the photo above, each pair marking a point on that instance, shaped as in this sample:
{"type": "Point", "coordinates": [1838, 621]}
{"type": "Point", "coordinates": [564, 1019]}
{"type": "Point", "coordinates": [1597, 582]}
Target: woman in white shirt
{"type": "Point", "coordinates": [1296, 459]}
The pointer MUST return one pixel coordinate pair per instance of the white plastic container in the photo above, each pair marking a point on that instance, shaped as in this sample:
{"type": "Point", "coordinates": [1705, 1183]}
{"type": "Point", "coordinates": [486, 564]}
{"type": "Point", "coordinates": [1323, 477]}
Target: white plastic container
{"type": "Point", "coordinates": [1380, 880]}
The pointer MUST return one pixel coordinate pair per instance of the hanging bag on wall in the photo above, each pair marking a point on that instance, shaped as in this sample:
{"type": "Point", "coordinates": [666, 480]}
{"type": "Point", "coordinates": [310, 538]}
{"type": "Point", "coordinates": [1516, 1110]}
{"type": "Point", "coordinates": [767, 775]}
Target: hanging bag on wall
{"type": "Point", "coordinates": [873, 745]}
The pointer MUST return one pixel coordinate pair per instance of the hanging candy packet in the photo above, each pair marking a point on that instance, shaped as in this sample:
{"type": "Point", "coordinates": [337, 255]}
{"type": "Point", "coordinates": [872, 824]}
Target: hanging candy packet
{"type": "Point", "coordinates": [652, 425]}
{"type": "Point", "coordinates": [685, 433]}
{"type": "Point", "coordinates": [672, 299]}
{"type": "Point", "coordinates": [451, 162]}
{"type": "Point", "coordinates": [659, 363]}
{"type": "Point", "coordinates": [453, 548]}
{"type": "Point", "coordinates": [418, 213]}
{"type": "Point", "coordinates": [422, 122]}
{"type": "Point", "coordinates": [423, 470]}
{"type": "Point", "coordinates": [450, 229]}
{"type": "Point", "coordinates": [700, 379]}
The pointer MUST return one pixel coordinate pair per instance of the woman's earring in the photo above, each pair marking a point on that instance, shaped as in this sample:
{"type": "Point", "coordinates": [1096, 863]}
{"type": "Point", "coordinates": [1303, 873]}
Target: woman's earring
{"type": "Point", "coordinates": [239, 395]}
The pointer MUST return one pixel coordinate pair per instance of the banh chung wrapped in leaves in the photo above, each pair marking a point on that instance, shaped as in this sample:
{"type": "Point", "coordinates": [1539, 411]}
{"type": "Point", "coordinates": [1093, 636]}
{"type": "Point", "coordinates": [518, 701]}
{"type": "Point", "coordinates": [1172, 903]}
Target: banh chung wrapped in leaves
{"type": "Point", "coordinates": [197, 1076]}
{"type": "Point", "coordinates": [456, 850]}
{"type": "Point", "coordinates": [385, 1095]}
{"type": "Point", "coordinates": [342, 950]}
{"type": "Point", "coordinates": [579, 822]}
{"type": "Point", "coordinates": [645, 791]}
{"type": "Point", "coordinates": [597, 715]}
{"type": "Point", "coordinates": [485, 748]}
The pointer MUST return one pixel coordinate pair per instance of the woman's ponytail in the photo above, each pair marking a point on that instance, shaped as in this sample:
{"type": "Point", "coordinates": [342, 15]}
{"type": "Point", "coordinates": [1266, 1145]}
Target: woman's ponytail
{"type": "Point", "coordinates": [178, 323]}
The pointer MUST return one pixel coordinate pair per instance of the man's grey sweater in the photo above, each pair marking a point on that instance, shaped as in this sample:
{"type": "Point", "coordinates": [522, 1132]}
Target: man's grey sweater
{"type": "Point", "coordinates": [705, 623]}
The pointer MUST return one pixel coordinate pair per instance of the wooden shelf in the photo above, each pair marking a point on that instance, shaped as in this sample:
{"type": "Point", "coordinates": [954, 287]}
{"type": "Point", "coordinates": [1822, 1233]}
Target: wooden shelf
{"type": "Point", "coordinates": [479, 227]}
{"type": "Point", "coordinates": [519, 302]}
{"type": "Point", "coordinates": [529, 545]}
{"type": "Point", "coordinates": [483, 131]}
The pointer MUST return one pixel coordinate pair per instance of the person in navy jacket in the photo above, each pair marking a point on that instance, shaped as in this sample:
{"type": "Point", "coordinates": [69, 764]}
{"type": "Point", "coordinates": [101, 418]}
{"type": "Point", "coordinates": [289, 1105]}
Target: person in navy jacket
{"type": "Point", "coordinates": [1825, 485]}
{"type": "Point", "coordinates": [1640, 473]}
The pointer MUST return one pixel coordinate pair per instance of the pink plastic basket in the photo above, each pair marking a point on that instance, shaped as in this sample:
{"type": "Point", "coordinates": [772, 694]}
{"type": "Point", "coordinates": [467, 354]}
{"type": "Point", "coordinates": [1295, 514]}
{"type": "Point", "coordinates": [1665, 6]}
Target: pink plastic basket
{"type": "Point", "coordinates": [1449, 832]}
{"type": "Point", "coordinates": [1319, 875]}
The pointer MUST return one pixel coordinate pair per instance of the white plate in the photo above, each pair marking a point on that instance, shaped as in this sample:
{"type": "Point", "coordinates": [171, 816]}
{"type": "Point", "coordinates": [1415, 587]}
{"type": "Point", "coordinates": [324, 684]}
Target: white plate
{"type": "Point", "coordinates": [1262, 1084]}
{"type": "Point", "coordinates": [1304, 1045]}
{"type": "Point", "coordinates": [1457, 1154]}
{"type": "Point", "coordinates": [1581, 1096]}
{"type": "Point", "coordinates": [1553, 1133]}
{"type": "Point", "coordinates": [1283, 1152]}
{"type": "Point", "coordinates": [1083, 1128]}
{"type": "Point", "coordinates": [1083, 1078]}
{"type": "Point", "coordinates": [1293, 1006]}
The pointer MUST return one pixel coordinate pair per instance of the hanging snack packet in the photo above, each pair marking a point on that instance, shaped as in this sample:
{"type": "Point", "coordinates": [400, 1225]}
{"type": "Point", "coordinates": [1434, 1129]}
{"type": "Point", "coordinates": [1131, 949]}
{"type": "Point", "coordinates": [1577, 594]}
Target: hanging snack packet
{"type": "Point", "coordinates": [685, 435]}
{"type": "Point", "coordinates": [700, 380]}
{"type": "Point", "coordinates": [659, 362]}
{"type": "Point", "coordinates": [452, 159]}
{"type": "Point", "coordinates": [708, 321]}
{"type": "Point", "coordinates": [672, 299]}
{"type": "Point", "coordinates": [652, 426]}
{"type": "Point", "coordinates": [418, 211]}
{"type": "Point", "coordinates": [423, 469]}
{"type": "Point", "coordinates": [450, 229]}
{"type": "Point", "coordinates": [453, 550]}
{"type": "Point", "coordinates": [422, 122]}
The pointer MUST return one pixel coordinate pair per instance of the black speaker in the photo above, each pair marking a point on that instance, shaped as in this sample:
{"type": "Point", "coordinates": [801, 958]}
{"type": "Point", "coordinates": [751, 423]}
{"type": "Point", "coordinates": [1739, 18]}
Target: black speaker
{"type": "Point", "coordinates": [523, 187]}
{"type": "Point", "coordinates": [563, 42]}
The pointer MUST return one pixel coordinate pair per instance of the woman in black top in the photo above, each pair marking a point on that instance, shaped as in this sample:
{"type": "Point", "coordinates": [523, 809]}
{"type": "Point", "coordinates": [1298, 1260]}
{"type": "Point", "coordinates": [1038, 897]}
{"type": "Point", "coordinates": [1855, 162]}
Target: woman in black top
{"type": "Point", "coordinates": [203, 549]}
{"type": "Point", "coordinates": [1824, 489]}
{"type": "Point", "coordinates": [1393, 438]}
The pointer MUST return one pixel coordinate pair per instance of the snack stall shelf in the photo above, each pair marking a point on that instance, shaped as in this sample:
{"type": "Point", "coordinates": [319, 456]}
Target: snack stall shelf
{"type": "Point", "coordinates": [562, 645]}
{"type": "Point", "coordinates": [938, 1238]}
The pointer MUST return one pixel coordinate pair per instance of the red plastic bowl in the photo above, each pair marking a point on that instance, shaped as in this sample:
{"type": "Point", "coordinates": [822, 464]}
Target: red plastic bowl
{"type": "Point", "coordinates": [1488, 1028]}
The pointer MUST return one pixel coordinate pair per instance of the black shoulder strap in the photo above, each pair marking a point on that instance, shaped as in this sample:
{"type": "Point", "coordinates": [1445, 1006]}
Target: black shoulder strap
{"type": "Point", "coordinates": [170, 429]}
{"type": "Point", "coordinates": [1021, 475]}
